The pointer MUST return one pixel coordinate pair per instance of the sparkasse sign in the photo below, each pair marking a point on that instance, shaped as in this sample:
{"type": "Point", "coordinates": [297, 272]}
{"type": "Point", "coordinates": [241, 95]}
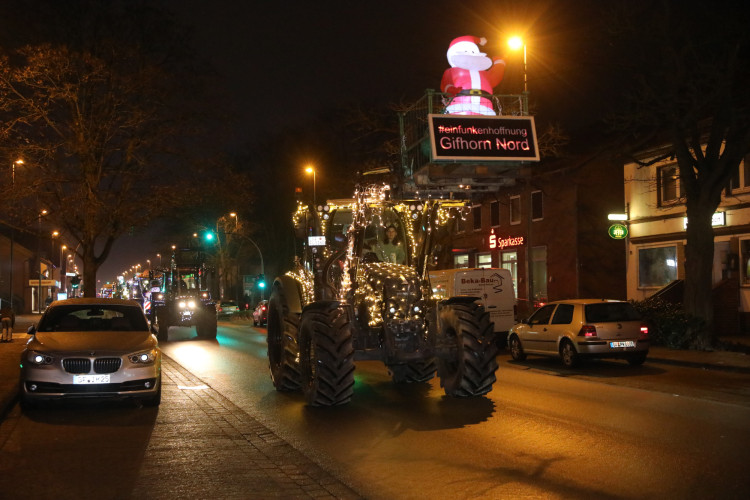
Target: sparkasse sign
{"type": "Point", "coordinates": [485, 138]}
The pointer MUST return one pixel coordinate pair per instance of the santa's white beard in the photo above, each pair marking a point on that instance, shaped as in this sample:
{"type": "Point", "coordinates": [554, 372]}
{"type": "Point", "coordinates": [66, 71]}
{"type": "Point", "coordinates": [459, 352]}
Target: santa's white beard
{"type": "Point", "coordinates": [472, 63]}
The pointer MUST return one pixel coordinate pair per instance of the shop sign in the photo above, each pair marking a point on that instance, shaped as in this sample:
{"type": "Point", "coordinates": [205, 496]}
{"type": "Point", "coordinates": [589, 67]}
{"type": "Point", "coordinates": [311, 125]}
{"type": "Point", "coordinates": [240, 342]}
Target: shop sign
{"type": "Point", "coordinates": [501, 243]}
{"type": "Point", "coordinates": [717, 219]}
{"type": "Point", "coordinates": [484, 138]}
{"type": "Point", "coordinates": [43, 282]}
{"type": "Point", "coordinates": [618, 231]}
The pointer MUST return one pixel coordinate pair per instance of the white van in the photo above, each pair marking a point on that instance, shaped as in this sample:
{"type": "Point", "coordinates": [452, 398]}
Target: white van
{"type": "Point", "coordinates": [493, 287]}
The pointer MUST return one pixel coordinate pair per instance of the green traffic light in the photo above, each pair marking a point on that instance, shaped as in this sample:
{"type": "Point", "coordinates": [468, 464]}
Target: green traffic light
{"type": "Point", "coordinates": [262, 284]}
{"type": "Point", "coordinates": [209, 236]}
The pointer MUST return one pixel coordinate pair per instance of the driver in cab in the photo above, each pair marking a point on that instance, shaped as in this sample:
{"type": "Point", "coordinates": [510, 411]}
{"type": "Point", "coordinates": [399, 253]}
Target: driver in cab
{"type": "Point", "coordinates": [390, 248]}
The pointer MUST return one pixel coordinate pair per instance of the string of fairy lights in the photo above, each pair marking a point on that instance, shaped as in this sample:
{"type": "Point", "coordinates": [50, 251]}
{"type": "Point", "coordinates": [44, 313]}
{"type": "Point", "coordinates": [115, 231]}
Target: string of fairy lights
{"type": "Point", "coordinates": [385, 288]}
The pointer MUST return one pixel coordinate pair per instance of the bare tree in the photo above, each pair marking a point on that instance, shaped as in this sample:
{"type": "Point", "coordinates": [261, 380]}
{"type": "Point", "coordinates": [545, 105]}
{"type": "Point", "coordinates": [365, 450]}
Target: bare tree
{"type": "Point", "coordinates": [95, 120]}
{"type": "Point", "coordinates": [690, 92]}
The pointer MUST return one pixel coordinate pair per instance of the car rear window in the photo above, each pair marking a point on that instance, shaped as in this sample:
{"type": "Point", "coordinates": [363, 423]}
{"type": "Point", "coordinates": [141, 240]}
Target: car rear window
{"type": "Point", "coordinates": [610, 311]}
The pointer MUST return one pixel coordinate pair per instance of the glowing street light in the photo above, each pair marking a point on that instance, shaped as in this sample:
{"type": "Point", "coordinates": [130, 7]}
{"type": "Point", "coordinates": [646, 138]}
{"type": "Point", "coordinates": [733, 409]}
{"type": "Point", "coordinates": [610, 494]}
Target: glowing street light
{"type": "Point", "coordinates": [311, 170]}
{"type": "Point", "coordinates": [516, 43]}
{"type": "Point", "coordinates": [12, 230]}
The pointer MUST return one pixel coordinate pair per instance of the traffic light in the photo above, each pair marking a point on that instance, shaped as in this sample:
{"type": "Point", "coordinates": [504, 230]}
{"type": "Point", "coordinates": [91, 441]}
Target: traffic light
{"type": "Point", "coordinates": [75, 281]}
{"type": "Point", "coordinates": [261, 281]}
{"type": "Point", "coordinates": [209, 236]}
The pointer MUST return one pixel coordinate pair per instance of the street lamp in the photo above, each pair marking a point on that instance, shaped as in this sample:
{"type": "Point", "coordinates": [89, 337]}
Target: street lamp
{"type": "Point", "coordinates": [63, 269]}
{"type": "Point", "coordinates": [12, 229]}
{"type": "Point", "coordinates": [515, 43]}
{"type": "Point", "coordinates": [311, 170]}
{"type": "Point", "coordinates": [39, 258]}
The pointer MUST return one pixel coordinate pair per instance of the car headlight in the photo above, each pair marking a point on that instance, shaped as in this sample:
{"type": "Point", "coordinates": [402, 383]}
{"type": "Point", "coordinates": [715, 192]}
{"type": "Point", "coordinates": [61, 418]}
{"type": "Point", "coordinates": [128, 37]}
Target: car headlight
{"type": "Point", "coordinates": [143, 358]}
{"type": "Point", "coordinates": [191, 304]}
{"type": "Point", "coordinates": [181, 304]}
{"type": "Point", "coordinates": [39, 359]}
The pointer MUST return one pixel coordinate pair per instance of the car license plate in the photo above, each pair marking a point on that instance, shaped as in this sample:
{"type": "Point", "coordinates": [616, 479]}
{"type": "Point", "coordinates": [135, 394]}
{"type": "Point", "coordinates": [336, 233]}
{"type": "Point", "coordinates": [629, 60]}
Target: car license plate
{"type": "Point", "coordinates": [91, 379]}
{"type": "Point", "coordinates": [626, 343]}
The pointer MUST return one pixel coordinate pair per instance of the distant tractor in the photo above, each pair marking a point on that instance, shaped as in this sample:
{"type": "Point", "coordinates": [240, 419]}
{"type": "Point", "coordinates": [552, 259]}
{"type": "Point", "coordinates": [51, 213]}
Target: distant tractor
{"type": "Point", "coordinates": [183, 297]}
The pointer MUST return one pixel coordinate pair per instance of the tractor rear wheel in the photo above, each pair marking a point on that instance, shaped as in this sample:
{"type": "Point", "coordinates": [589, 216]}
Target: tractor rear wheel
{"type": "Point", "coordinates": [282, 344]}
{"type": "Point", "coordinates": [162, 324]}
{"type": "Point", "coordinates": [470, 370]}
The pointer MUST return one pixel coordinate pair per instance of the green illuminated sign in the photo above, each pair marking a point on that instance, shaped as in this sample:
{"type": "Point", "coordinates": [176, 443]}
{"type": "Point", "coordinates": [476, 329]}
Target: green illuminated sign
{"type": "Point", "coordinates": [618, 231]}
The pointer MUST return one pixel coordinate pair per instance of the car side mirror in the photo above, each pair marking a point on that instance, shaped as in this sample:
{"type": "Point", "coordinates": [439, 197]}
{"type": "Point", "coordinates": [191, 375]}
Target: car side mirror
{"type": "Point", "coordinates": [31, 330]}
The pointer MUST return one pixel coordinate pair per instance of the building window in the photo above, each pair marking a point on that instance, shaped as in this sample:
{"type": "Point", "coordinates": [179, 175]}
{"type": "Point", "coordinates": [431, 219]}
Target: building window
{"type": "Point", "coordinates": [740, 179]}
{"type": "Point", "coordinates": [459, 224]}
{"type": "Point", "coordinates": [461, 261]}
{"type": "Point", "coordinates": [477, 211]}
{"type": "Point", "coordinates": [539, 274]}
{"type": "Point", "coordinates": [657, 267]}
{"type": "Point", "coordinates": [509, 261]}
{"type": "Point", "coordinates": [515, 209]}
{"type": "Point", "coordinates": [668, 180]}
{"type": "Point", "coordinates": [495, 213]}
{"type": "Point", "coordinates": [484, 260]}
{"type": "Point", "coordinates": [537, 209]}
{"type": "Point", "coordinates": [745, 259]}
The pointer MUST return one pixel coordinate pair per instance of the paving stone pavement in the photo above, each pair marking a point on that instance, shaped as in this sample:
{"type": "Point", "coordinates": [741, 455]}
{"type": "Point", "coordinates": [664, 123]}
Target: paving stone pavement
{"type": "Point", "coordinates": [211, 448]}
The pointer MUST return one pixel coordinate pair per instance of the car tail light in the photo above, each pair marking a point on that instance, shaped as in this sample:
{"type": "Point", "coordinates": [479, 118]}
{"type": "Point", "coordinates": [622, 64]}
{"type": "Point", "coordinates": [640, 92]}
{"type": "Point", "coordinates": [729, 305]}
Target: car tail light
{"type": "Point", "coordinates": [587, 331]}
{"type": "Point", "coordinates": [263, 308]}
{"type": "Point", "coordinates": [644, 332]}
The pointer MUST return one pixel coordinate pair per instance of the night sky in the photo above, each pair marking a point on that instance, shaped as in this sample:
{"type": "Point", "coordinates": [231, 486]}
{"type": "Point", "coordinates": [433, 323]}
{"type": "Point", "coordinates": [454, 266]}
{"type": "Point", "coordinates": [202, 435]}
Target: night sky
{"type": "Point", "coordinates": [284, 62]}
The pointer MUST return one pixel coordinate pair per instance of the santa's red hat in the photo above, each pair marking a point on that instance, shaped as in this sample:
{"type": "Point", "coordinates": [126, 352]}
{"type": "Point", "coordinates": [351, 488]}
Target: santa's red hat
{"type": "Point", "coordinates": [465, 45]}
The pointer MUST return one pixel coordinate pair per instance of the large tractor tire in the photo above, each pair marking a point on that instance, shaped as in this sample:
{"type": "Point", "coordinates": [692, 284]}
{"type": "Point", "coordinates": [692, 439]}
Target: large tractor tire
{"type": "Point", "coordinates": [162, 324]}
{"type": "Point", "coordinates": [207, 326]}
{"type": "Point", "coordinates": [470, 371]}
{"type": "Point", "coordinates": [282, 344]}
{"type": "Point", "coordinates": [416, 371]}
{"type": "Point", "coordinates": [326, 356]}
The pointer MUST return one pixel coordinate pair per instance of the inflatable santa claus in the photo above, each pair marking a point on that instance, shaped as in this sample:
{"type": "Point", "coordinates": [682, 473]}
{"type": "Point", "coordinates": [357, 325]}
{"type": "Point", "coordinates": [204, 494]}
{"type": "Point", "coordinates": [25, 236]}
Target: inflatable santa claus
{"type": "Point", "coordinates": [471, 77]}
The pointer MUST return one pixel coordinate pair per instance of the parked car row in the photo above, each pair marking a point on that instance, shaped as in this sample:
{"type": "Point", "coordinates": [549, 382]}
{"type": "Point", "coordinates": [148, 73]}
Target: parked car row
{"type": "Point", "coordinates": [103, 347]}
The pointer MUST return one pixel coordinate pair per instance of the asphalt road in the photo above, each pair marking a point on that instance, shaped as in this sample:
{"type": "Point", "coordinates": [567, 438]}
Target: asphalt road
{"type": "Point", "coordinates": [607, 430]}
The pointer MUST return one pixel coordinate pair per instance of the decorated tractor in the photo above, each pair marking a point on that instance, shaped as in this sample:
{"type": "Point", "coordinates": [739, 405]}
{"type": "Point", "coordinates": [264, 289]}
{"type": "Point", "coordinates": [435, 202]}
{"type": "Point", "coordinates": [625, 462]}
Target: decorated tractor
{"type": "Point", "coordinates": [359, 291]}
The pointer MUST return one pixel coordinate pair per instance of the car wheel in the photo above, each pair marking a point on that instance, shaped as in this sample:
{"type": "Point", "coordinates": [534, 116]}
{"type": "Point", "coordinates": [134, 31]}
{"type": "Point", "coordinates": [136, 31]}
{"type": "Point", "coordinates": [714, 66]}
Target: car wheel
{"type": "Point", "coordinates": [516, 350]}
{"type": "Point", "coordinates": [568, 354]}
{"type": "Point", "coordinates": [637, 359]}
